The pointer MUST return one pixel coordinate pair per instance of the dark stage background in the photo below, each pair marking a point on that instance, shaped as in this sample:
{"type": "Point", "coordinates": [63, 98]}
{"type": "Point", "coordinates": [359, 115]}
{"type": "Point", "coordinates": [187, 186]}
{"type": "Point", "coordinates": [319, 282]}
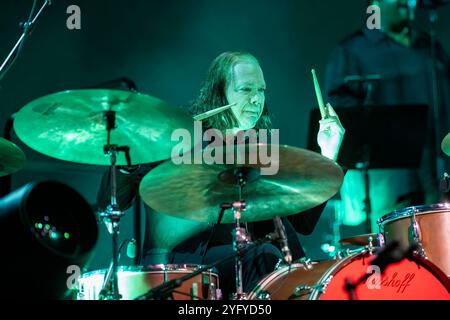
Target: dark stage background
{"type": "Point", "coordinates": [166, 47]}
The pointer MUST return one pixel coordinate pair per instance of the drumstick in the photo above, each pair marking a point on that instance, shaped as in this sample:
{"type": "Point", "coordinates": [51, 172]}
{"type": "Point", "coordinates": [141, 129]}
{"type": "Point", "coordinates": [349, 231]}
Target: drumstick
{"type": "Point", "coordinates": [323, 109]}
{"type": "Point", "coordinates": [210, 113]}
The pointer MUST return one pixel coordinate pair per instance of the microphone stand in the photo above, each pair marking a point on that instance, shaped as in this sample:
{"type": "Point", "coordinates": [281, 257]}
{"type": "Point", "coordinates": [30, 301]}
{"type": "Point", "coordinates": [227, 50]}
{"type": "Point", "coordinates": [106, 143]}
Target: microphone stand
{"type": "Point", "coordinates": [27, 29]}
{"type": "Point", "coordinates": [367, 83]}
{"type": "Point", "coordinates": [433, 17]}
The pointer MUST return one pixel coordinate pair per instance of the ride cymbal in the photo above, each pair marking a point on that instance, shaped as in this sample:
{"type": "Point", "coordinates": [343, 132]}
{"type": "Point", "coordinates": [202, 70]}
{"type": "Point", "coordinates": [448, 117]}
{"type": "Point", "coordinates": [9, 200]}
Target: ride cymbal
{"type": "Point", "coordinates": [71, 126]}
{"type": "Point", "coordinates": [304, 180]}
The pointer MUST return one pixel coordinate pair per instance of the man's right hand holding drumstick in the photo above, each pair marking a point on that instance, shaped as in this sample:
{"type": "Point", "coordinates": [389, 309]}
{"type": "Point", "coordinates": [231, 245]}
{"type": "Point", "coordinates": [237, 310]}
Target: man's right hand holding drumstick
{"type": "Point", "coordinates": [331, 132]}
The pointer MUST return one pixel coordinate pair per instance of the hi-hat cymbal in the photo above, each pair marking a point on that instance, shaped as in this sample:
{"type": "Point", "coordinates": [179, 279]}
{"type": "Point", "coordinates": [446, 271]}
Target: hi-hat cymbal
{"type": "Point", "coordinates": [361, 240]}
{"type": "Point", "coordinates": [446, 144]}
{"type": "Point", "coordinates": [12, 157]}
{"type": "Point", "coordinates": [70, 126]}
{"type": "Point", "coordinates": [194, 191]}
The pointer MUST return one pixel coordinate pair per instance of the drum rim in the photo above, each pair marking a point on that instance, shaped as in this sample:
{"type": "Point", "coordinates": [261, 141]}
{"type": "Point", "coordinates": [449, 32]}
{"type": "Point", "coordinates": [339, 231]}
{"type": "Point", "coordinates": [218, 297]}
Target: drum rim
{"type": "Point", "coordinates": [172, 267]}
{"type": "Point", "coordinates": [417, 210]}
{"type": "Point", "coordinates": [153, 268]}
{"type": "Point", "coordinates": [104, 270]}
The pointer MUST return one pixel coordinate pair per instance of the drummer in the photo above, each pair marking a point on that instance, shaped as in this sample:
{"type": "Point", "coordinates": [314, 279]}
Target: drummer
{"type": "Point", "coordinates": [233, 78]}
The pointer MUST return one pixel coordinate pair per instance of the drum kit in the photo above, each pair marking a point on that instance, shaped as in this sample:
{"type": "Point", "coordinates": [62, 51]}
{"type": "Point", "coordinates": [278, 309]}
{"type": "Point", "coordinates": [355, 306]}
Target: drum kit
{"type": "Point", "coordinates": [121, 128]}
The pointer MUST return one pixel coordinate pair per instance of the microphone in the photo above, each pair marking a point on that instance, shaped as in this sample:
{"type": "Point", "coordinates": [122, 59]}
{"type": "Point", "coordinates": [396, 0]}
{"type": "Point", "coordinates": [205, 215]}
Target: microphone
{"type": "Point", "coordinates": [279, 227]}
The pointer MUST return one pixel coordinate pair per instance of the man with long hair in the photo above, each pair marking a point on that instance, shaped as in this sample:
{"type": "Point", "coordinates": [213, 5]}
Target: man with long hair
{"type": "Point", "coordinates": [234, 78]}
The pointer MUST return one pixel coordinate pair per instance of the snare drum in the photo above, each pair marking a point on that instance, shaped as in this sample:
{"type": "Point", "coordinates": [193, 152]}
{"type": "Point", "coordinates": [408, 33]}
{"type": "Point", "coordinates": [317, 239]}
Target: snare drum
{"type": "Point", "coordinates": [405, 280]}
{"type": "Point", "coordinates": [426, 226]}
{"type": "Point", "coordinates": [136, 281]}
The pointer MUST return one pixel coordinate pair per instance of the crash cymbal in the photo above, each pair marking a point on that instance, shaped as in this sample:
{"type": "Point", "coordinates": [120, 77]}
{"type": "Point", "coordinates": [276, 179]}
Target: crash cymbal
{"type": "Point", "coordinates": [194, 191]}
{"type": "Point", "coordinates": [360, 240]}
{"type": "Point", "coordinates": [446, 144]}
{"type": "Point", "coordinates": [70, 126]}
{"type": "Point", "coordinates": [12, 158]}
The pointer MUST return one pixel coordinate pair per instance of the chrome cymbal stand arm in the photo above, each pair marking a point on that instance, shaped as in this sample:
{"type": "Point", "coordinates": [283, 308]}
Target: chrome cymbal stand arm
{"type": "Point", "coordinates": [113, 214]}
{"type": "Point", "coordinates": [241, 239]}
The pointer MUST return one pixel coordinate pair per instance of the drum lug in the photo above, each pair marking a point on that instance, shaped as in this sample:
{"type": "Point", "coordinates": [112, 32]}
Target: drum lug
{"type": "Point", "coordinates": [306, 263]}
{"type": "Point", "coordinates": [302, 290]}
{"type": "Point", "coordinates": [370, 248]}
{"type": "Point", "coordinates": [264, 295]}
{"type": "Point", "coordinates": [415, 236]}
{"type": "Point", "coordinates": [381, 240]}
{"type": "Point", "coordinates": [215, 293]}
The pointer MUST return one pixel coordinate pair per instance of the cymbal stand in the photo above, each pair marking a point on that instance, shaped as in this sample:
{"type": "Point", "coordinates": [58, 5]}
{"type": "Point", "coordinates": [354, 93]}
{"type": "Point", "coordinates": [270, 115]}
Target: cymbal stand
{"type": "Point", "coordinates": [113, 214]}
{"type": "Point", "coordinates": [241, 237]}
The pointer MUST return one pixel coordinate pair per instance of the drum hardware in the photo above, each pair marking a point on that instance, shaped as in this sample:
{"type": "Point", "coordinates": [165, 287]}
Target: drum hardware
{"type": "Point", "coordinates": [264, 295]}
{"type": "Point", "coordinates": [444, 188]}
{"type": "Point", "coordinates": [342, 254]}
{"type": "Point", "coordinates": [113, 214]}
{"type": "Point", "coordinates": [214, 292]}
{"type": "Point", "coordinates": [106, 287]}
{"type": "Point", "coordinates": [415, 235]}
{"type": "Point", "coordinates": [306, 262]}
{"type": "Point", "coordinates": [305, 289]}
{"type": "Point", "coordinates": [370, 248]}
{"type": "Point", "coordinates": [279, 227]}
{"type": "Point", "coordinates": [381, 240]}
{"type": "Point", "coordinates": [241, 236]}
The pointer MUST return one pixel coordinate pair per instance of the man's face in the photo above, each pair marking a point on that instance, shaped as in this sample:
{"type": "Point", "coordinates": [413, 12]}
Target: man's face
{"type": "Point", "coordinates": [395, 14]}
{"type": "Point", "coordinates": [246, 88]}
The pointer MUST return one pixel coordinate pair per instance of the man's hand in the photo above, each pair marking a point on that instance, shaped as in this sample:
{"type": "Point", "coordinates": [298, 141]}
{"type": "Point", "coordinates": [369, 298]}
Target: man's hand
{"type": "Point", "coordinates": [331, 134]}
